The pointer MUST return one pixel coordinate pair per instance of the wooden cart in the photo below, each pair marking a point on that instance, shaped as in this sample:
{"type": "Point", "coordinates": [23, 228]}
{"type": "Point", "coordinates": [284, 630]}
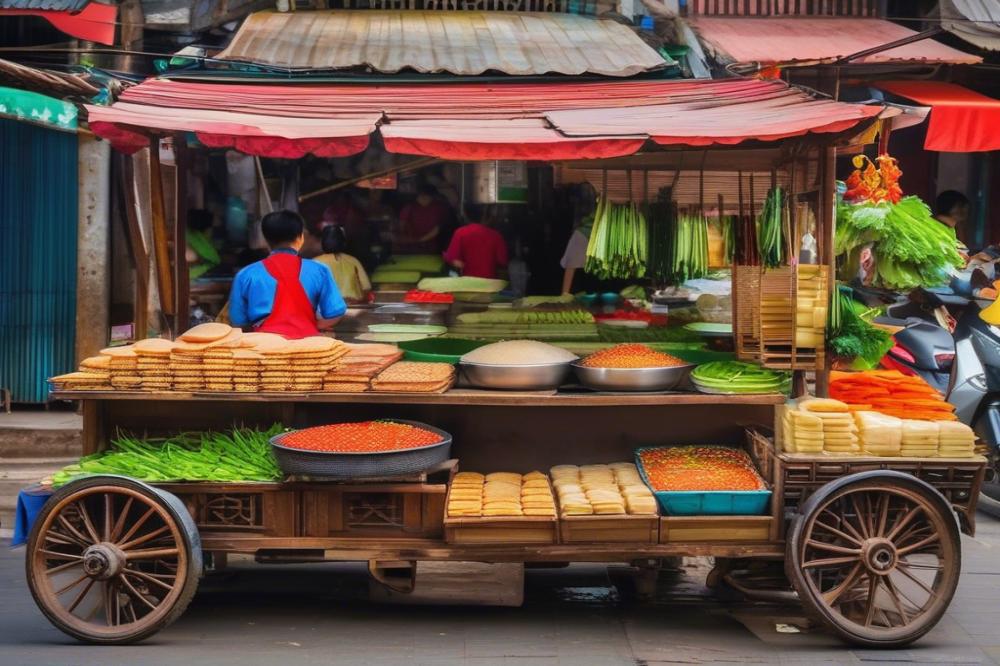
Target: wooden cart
{"type": "Point", "coordinates": [871, 545]}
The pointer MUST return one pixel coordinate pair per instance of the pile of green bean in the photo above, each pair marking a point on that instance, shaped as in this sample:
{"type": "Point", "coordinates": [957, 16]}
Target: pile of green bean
{"type": "Point", "coordinates": [243, 454]}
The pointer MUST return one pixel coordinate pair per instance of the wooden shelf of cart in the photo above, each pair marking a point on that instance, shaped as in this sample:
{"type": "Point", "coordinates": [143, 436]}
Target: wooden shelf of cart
{"type": "Point", "coordinates": [609, 529]}
{"type": "Point", "coordinates": [467, 397]}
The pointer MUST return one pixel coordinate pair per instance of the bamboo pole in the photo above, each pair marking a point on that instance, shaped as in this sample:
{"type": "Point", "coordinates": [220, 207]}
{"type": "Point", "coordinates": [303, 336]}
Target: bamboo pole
{"type": "Point", "coordinates": [415, 164]}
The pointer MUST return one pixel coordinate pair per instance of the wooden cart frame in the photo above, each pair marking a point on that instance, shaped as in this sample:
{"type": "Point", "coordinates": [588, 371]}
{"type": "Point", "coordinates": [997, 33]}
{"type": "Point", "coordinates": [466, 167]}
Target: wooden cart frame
{"type": "Point", "coordinates": [842, 525]}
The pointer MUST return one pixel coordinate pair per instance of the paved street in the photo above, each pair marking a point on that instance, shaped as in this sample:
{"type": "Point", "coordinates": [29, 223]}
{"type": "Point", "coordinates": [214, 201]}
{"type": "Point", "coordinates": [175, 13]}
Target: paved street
{"type": "Point", "coordinates": [317, 614]}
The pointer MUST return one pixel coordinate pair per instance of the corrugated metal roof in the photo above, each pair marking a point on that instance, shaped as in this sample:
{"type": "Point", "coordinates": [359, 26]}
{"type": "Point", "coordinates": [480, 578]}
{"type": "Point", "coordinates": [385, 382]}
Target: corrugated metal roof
{"type": "Point", "coordinates": [816, 39]}
{"type": "Point", "coordinates": [45, 5]}
{"type": "Point", "coordinates": [474, 121]}
{"type": "Point", "coordinates": [975, 21]}
{"type": "Point", "coordinates": [460, 42]}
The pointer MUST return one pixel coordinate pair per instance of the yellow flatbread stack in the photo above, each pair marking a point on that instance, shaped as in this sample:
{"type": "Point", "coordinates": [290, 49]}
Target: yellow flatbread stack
{"type": "Point", "coordinates": [465, 496]}
{"type": "Point", "coordinates": [500, 494]}
{"type": "Point", "coordinates": [413, 377]}
{"type": "Point", "coordinates": [354, 372]}
{"type": "Point", "coordinates": [123, 367]}
{"type": "Point", "coordinates": [881, 434]}
{"type": "Point", "coordinates": [957, 440]}
{"type": "Point", "coordinates": [615, 489]}
{"type": "Point", "coordinates": [153, 363]}
{"type": "Point", "coordinates": [920, 438]}
{"type": "Point", "coordinates": [639, 499]}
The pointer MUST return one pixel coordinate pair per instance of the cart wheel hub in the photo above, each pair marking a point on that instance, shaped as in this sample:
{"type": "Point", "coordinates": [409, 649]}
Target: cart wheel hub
{"type": "Point", "coordinates": [879, 555]}
{"type": "Point", "coordinates": [103, 561]}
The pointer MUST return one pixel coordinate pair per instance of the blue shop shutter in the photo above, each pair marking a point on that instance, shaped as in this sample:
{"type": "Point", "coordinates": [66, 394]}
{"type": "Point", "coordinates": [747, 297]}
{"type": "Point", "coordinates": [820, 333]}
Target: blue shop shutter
{"type": "Point", "coordinates": [38, 221]}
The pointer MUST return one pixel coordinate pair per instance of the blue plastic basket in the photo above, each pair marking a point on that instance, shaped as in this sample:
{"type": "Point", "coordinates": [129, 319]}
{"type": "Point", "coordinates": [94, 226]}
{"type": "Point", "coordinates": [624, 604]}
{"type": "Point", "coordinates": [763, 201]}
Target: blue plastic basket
{"type": "Point", "coordinates": [706, 502]}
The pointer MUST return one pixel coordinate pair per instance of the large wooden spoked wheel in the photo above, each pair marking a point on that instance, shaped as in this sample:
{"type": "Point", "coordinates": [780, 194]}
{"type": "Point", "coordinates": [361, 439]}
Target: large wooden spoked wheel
{"type": "Point", "coordinates": [876, 556]}
{"type": "Point", "coordinates": [112, 560]}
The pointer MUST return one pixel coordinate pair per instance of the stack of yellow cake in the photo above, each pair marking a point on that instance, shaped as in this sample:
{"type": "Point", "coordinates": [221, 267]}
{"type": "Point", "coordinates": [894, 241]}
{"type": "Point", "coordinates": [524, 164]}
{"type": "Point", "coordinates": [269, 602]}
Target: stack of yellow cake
{"type": "Point", "coordinates": [881, 434]}
{"type": "Point", "coordinates": [123, 367]}
{"type": "Point", "coordinates": [500, 494]}
{"type": "Point", "coordinates": [920, 439]}
{"type": "Point", "coordinates": [187, 358]}
{"type": "Point", "coordinates": [601, 490]}
{"type": "Point", "coordinates": [956, 440]}
{"type": "Point", "coordinates": [413, 377]}
{"type": "Point", "coordinates": [362, 363]}
{"type": "Point", "coordinates": [820, 425]}
{"type": "Point", "coordinates": [153, 363]}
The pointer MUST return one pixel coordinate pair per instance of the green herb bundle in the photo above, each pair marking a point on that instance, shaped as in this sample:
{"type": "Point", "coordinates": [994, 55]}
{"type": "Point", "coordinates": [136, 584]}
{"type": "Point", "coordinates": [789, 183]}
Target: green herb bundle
{"type": "Point", "coordinates": [850, 336]}
{"type": "Point", "coordinates": [770, 234]}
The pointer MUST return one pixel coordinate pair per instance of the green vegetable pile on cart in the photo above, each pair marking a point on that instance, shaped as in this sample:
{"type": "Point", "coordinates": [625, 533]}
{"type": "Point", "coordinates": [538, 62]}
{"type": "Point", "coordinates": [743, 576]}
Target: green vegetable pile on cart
{"type": "Point", "coordinates": [243, 454]}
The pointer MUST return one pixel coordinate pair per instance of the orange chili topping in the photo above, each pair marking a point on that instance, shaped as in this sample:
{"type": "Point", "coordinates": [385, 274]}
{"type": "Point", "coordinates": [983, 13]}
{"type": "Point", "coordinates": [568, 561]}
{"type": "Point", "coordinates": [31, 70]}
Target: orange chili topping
{"type": "Point", "coordinates": [630, 356]}
{"type": "Point", "coordinates": [362, 437]}
{"type": "Point", "coordinates": [699, 468]}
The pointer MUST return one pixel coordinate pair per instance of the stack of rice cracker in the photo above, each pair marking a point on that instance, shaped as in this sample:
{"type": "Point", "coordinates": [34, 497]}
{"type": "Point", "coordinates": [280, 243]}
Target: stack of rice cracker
{"type": "Point", "coordinates": [414, 377]}
{"type": "Point", "coordinates": [298, 365]}
{"type": "Point", "coordinates": [362, 363]}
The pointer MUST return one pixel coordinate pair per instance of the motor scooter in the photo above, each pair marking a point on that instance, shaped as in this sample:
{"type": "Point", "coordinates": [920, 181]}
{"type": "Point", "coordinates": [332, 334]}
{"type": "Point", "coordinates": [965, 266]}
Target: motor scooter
{"type": "Point", "coordinates": [963, 365]}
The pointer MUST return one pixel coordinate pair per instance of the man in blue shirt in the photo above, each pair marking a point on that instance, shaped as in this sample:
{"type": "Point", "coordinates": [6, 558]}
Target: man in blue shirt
{"type": "Point", "coordinates": [282, 294]}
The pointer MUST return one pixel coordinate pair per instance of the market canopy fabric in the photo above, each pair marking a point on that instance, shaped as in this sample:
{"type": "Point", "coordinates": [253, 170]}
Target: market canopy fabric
{"type": "Point", "coordinates": [775, 40]}
{"type": "Point", "coordinates": [472, 121]}
{"type": "Point", "coordinates": [92, 21]}
{"type": "Point", "coordinates": [961, 120]}
{"type": "Point", "coordinates": [975, 21]}
{"type": "Point", "coordinates": [457, 42]}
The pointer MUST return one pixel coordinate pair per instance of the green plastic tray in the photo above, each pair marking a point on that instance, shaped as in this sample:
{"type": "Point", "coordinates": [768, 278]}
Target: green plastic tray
{"type": "Point", "coordinates": [439, 350]}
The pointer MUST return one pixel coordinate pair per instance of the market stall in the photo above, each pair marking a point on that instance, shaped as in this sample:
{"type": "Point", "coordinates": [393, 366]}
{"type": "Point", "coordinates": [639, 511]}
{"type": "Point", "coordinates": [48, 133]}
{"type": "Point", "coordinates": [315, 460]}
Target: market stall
{"type": "Point", "coordinates": [616, 452]}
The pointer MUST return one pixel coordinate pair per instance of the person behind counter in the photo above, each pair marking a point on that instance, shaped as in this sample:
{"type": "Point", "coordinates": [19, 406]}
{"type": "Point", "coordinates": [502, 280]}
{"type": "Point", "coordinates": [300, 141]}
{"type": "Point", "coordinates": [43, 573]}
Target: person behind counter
{"type": "Point", "coordinates": [421, 221]}
{"type": "Point", "coordinates": [951, 208]}
{"type": "Point", "coordinates": [202, 255]}
{"type": "Point", "coordinates": [282, 293]}
{"type": "Point", "coordinates": [348, 273]}
{"type": "Point", "coordinates": [476, 249]}
{"type": "Point", "coordinates": [575, 256]}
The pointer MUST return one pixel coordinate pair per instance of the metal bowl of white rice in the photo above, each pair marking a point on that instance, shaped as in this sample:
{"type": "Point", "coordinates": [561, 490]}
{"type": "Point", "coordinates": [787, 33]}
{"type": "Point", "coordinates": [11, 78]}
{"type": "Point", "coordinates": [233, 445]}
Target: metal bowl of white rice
{"type": "Point", "coordinates": [517, 365]}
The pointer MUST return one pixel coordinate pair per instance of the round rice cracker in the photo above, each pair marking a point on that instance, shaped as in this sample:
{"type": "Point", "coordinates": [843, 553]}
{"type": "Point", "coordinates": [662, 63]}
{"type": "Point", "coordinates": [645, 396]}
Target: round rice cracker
{"type": "Point", "coordinates": [208, 332]}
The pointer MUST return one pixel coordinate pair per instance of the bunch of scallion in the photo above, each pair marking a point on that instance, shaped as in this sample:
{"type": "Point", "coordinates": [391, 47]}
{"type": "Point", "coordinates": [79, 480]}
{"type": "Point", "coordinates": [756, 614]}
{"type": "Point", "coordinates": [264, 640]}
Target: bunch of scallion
{"type": "Point", "coordinates": [770, 236]}
{"type": "Point", "coordinates": [689, 247]}
{"type": "Point", "coordinates": [243, 454]}
{"type": "Point", "coordinates": [619, 242]}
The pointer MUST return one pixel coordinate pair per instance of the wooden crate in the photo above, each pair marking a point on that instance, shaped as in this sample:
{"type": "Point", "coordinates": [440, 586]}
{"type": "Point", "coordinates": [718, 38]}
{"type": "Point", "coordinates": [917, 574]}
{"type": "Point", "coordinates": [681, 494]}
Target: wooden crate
{"type": "Point", "coordinates": [409, 508]}
{"type": "Point", "coordinates": [691, 529]}
{"type": "Point", "coordinates": [244, 509]}
{"type": "Point", "coordinates": [764, 318]}
{"type": "Point", "coordinates": [609, 529]}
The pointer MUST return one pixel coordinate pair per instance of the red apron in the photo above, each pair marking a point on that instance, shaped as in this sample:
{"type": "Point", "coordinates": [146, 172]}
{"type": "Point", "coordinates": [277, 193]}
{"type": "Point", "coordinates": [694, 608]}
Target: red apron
{"type": "Point", "coordinates": [292, 314]}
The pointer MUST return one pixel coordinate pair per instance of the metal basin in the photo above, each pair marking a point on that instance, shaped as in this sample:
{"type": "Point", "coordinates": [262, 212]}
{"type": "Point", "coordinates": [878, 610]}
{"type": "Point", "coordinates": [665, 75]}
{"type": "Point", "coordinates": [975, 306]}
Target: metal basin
{"type": "Point", "coordinates": [516, 377]}
{"type": "Point", "coordinates": [633, 379]}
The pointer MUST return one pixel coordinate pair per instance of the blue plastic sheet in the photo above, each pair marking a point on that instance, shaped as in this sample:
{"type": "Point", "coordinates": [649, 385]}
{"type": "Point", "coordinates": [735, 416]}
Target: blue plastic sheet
{"type": "Point", "coordinates": [29, 503]}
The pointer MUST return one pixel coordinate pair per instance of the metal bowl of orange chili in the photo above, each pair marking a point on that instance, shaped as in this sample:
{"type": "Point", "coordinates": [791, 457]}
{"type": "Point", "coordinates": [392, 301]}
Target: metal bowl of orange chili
{"type": "Point", "coordinates": [391, 447]}
{"type": "Point", "coordinates": [631, 367]}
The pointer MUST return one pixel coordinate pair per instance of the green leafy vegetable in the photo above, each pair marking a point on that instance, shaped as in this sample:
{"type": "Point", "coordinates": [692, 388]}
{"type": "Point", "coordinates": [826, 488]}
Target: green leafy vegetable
{"type": "Point", "coordinates": [851, 336]}
{"type": "Point", "coordinates": [739, 377]}
{"type": "Point", "coordinates": [911, 248]}
{"type": "Point", "coordinates": [770, 236]}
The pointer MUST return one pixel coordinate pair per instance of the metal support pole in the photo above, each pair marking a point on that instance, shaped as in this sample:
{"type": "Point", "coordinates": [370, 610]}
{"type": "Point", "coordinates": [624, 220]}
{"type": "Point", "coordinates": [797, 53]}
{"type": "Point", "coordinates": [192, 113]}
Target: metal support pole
{"type": "Point", "coordinates": [93, 265]}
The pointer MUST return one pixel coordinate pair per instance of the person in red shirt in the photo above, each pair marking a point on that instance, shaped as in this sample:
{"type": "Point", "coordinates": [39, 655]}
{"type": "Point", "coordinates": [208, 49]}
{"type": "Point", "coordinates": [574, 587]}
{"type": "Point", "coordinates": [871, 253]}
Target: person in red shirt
{"type": "Point", "coordinates": [421, 221]}
{"type": "Point", "coordinates": [476, 249]}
